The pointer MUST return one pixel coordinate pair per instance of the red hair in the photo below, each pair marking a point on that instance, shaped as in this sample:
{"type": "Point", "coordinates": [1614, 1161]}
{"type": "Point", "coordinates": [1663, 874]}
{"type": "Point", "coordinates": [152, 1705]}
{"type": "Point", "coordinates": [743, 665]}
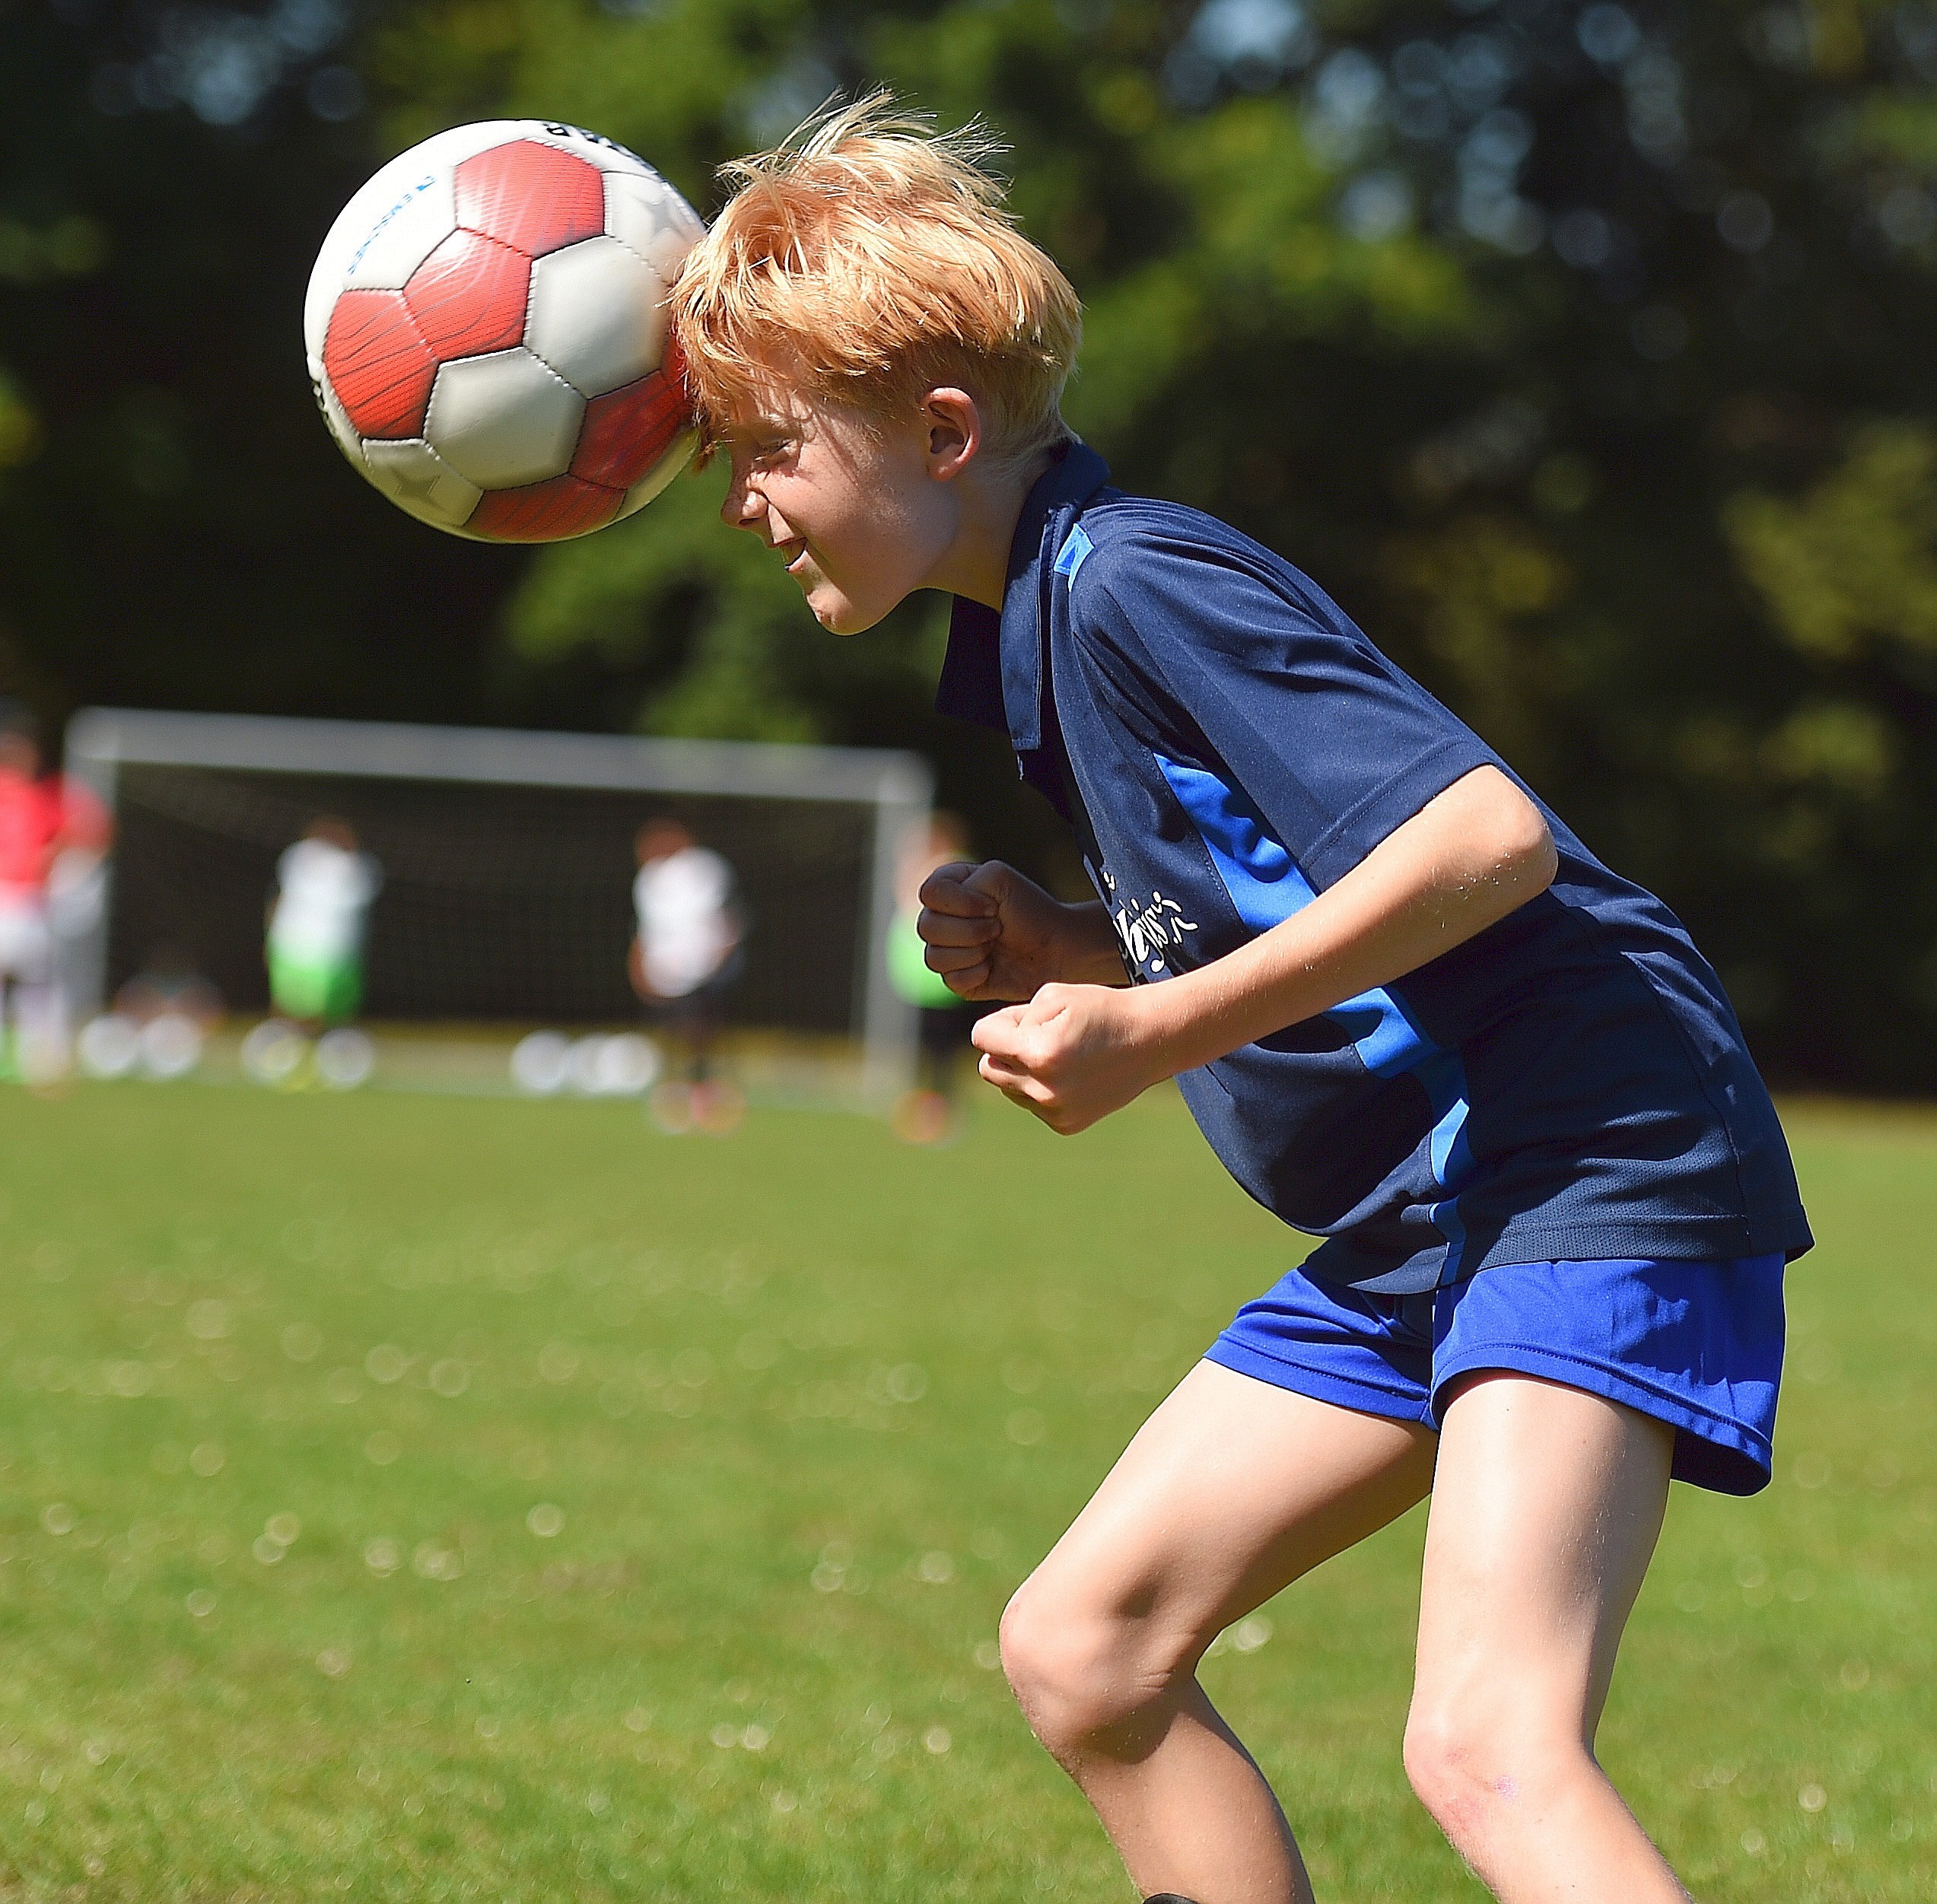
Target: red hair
{"type": "Point", "coordinates": [869, 260]}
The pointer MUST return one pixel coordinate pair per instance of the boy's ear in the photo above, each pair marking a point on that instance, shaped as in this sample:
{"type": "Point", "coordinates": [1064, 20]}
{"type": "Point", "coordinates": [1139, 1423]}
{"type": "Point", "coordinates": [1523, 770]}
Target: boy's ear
{"type": "Point", "coordinates": [955, 431]}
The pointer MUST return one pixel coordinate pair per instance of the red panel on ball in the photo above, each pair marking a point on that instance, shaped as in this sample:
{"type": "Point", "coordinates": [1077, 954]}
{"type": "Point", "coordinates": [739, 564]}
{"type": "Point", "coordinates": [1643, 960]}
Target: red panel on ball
{"type": "Point", "coordinates": [533, 197]}
{"type": "Point", "coordinates": [379, 364]}
{"type": "Point", "coordinates": [626, 431]}
{"type": "Point", "coordinates": [469, 297]}
{"type": "Point", "coordinates": [544, 512]}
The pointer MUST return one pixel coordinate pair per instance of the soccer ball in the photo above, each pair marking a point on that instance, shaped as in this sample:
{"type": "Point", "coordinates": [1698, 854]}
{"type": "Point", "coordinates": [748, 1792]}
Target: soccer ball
{"type": "Point", "coordinates": [487, 331]}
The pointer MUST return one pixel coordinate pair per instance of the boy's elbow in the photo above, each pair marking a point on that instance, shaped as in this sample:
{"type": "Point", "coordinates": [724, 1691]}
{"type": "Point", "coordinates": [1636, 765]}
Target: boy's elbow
{"type": "Point", "coordinates": [1546, 868]}
{"type": "Point", "coordinates": [1525, 861]}
{"type": "Point", "coordinates": [1531, 853]}
{"type": "Point", "coordinates": [1500, 840]}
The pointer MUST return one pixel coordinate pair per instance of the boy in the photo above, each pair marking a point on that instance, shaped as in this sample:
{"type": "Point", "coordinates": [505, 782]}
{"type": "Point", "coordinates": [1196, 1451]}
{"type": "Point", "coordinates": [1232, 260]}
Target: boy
{"type": "Point", "coordinates": [1411, 1012]}
{"type": "Point", "coordinates": [325, 884]}
{"type": "Point", "coordinates": [684, 958]}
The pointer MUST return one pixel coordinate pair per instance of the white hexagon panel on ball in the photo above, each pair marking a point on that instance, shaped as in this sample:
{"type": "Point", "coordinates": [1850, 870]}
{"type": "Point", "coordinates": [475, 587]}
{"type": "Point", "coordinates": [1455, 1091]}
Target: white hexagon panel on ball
{"type": "Point", "coordinates": [410, 230]}
{"type": "Point", "coordinates": [418, 480]}
{"type": "Point", "coordinates": [504, 420]}
{"type": "Point", "coordinates": [647, 216]}
{"type": "Point", "coordinates": [597, 315]}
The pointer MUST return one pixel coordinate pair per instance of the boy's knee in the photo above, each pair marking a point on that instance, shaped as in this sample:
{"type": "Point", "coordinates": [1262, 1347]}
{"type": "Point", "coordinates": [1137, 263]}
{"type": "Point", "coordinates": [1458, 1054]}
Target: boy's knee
{"type": "Point", "coordinates": [1074, 1668]}
{"type": "Point", "coordinates": [1444, 1764]}
{"type": "Point", "coordinates": [1477, 1767]}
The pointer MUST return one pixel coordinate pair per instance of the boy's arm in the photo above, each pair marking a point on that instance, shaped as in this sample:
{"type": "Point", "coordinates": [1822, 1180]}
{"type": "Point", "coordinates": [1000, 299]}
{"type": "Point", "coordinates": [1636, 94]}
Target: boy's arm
{"type": "Point", "coordinates": [1470, 856]}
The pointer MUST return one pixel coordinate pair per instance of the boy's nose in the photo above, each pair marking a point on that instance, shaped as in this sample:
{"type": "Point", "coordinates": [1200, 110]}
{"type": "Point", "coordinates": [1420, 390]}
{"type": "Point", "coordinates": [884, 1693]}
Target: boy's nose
{"type": "Point", "coordinates": [743, 506]}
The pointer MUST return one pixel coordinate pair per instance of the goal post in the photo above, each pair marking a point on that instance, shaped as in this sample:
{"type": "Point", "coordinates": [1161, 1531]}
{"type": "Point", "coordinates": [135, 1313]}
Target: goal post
{"type": "Point", "coordinates": [517, 841]}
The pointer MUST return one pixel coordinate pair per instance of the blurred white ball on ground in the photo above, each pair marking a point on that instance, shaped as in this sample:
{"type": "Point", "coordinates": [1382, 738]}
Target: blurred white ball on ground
{"type": "Point", "coordinates": [622, 1064]}
{"type": "Point", "coordinates": [170, 1046]}
{"type": "Point", "coordinates": [618, 1066]}
{"type": "Point", "coordinates": [273, 1052]}
{"type": "Point", "coordinates": [629, 1064]}
{"type": "Point", "coordinates": [540, 1064]}
{"type": "Point", "coordinates": [109, 1046]}
{"type": "Point", "coordinates": [345, 1058]}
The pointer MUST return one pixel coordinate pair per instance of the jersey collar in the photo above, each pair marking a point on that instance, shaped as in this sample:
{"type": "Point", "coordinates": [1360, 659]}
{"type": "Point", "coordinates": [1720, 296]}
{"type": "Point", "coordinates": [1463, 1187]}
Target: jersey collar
{"type": "Point", "coordinates": [993, 674]}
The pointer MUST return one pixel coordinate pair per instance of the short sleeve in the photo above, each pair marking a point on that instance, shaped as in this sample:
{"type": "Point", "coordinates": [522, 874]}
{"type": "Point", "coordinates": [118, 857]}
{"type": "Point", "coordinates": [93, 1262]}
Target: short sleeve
{"type": "Point", "coordinates": [1333, 745]}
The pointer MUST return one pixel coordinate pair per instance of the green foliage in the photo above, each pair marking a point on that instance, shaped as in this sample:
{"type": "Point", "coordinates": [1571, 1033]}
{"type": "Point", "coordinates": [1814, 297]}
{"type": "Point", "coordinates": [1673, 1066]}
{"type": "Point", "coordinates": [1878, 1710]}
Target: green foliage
{"type": "Point", "coordinates": [416, 1499]}
{"type": "Point", "coordinates": [616, 592]}
{"type": "Point", "coordinates": [1850, 566]}
{"type": "Point", "coordinates": [20, 428]}
{"type": "Point", "coordinates": [710, 622]}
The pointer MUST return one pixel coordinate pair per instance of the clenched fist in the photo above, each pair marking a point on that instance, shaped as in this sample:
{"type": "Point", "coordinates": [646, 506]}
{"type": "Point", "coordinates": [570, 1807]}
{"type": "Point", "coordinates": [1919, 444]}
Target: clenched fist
{"type": "Point", "coordinates": [1074, 1053]}
{"type": "Point", "coordinates": [994, 936]}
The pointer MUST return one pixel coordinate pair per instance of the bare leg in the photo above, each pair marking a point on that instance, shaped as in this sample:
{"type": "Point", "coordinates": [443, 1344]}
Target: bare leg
{"type": "Point", "coordinates": [1546, 1508]}
{"type": "Point", "coordinates": [1232, 1489]}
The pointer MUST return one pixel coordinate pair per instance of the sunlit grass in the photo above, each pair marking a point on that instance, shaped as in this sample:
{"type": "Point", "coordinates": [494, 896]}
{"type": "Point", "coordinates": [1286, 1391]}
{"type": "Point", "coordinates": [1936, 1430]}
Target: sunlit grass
{"type": "Point", "coordinates": [420, 1498]}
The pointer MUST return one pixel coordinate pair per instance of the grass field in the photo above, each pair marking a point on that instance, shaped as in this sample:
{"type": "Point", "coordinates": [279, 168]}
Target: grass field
{"type": "Point", "coordinates": [421, 1499]}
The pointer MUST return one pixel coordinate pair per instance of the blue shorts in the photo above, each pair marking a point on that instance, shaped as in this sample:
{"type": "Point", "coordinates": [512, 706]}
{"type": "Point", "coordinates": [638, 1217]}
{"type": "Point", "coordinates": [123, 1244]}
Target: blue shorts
{"type": "Point", "coordinates": [1697, 1345]}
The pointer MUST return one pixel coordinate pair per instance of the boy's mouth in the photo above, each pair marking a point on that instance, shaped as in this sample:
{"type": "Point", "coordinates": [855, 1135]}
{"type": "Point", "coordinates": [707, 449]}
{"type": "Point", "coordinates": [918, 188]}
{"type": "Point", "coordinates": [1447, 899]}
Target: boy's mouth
{"type": "Point", "coordinates": [794, 561]}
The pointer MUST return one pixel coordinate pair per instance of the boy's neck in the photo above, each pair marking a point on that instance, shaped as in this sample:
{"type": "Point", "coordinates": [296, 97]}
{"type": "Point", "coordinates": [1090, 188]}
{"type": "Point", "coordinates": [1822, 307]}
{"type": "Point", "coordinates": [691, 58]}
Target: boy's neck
{"type": "Point", "coordinates": [976, 565]}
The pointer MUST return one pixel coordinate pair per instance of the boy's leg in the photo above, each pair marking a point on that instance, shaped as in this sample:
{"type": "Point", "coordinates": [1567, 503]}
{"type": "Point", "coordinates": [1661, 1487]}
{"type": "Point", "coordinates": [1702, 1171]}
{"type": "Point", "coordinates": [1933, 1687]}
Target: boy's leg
{"type": "Point", "coordinates": [1546, 1508]}
{"type": "Point", "coordinates": [1232, 1488]}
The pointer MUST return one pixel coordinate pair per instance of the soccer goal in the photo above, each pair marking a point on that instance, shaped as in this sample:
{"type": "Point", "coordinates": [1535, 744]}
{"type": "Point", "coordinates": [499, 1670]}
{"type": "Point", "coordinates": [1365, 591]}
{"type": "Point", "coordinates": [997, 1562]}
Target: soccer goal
{"type": "Point", "coordinates": [507, 864]}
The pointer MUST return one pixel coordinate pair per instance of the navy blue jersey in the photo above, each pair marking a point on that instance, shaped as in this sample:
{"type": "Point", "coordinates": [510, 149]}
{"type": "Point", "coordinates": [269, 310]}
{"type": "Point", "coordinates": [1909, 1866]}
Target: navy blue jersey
{"type": "Point", "coordinates": [1570, 1083]}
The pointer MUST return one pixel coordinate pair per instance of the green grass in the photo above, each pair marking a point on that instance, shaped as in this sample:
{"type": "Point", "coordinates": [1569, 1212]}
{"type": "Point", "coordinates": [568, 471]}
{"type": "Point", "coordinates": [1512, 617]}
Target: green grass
{"type": "Point", "coordinates": [657, 1498]}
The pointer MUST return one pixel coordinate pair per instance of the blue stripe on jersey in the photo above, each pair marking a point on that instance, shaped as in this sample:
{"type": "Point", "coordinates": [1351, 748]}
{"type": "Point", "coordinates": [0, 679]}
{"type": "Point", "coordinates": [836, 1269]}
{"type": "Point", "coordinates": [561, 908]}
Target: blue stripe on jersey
{"type": "Point", "coordinates": [1069, 557]}
{"type": "Point", "coordinates": [1266, 887]}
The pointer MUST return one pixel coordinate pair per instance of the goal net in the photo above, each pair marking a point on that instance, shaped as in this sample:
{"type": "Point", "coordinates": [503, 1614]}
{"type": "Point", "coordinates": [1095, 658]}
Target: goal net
{"type": "Point", "coordinates": [507, 861]}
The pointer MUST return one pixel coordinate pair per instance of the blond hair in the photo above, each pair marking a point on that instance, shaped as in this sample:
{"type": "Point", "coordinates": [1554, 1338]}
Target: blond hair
{"type": "Point", "coordinates": [871, 259]}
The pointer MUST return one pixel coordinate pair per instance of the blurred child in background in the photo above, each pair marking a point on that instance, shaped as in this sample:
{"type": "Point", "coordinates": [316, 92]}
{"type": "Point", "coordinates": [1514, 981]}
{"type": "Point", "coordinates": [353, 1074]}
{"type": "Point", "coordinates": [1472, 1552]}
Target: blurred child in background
{"type": "Point", "coordinates": [684, 960]}
{"type": "Point", "coordinates": [927, 1113]}
{"type": "Point", "coordinates": [47, 823]}
{"type": "Point", "coordinates": [317, 922]}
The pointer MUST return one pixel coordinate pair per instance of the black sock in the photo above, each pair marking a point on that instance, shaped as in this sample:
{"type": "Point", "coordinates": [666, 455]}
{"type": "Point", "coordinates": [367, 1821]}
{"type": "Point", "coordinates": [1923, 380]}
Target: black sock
{"type": "Point", "coordinates": [1167, 1897]}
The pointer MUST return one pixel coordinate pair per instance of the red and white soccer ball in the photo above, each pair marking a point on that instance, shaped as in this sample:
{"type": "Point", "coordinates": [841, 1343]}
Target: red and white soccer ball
{"type": "Point", "coordinates": [487, 331]}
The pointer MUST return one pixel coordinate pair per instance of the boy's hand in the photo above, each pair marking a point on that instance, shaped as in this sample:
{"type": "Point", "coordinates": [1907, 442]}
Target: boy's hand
{"type": "Point", "coordinates": [1074, 1053]}
{"type": "Point", "coordinates": [992, 934]}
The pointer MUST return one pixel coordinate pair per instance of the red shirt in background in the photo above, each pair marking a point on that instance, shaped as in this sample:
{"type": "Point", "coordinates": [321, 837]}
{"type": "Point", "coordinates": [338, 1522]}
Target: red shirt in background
{"type": "Point", "coordinates": [38, 818]}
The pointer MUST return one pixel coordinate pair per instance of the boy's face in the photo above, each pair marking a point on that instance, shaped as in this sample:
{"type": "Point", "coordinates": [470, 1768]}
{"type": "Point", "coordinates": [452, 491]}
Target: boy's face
{"type": "Point", "coordinates": [850, 501]}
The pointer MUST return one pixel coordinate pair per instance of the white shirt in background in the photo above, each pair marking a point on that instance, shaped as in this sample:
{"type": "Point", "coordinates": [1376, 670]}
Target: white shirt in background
{"type": "Point", "coordinates": [686, 929]}
{"type": "Point", "coordinates": [325, 894]}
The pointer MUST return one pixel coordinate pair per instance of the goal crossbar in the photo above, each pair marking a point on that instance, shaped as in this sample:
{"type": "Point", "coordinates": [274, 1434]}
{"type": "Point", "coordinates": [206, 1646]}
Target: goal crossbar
{"type": "Point", "coordinates": [897, 787]}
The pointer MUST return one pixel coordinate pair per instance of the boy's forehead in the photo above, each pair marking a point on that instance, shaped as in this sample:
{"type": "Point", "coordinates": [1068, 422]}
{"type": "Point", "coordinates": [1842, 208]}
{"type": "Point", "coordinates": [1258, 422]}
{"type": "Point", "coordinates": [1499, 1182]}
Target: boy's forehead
{"type": "Point", "coordinates": [769, 398]}
{"type": "Point", "coordinates": [774, 397]}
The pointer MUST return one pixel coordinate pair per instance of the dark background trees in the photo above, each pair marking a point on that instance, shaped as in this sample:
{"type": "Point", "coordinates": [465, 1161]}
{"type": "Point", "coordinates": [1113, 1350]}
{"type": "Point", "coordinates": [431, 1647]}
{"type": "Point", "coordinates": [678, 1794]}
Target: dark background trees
{"type": "Point", "coordinates": [1579, 349]}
